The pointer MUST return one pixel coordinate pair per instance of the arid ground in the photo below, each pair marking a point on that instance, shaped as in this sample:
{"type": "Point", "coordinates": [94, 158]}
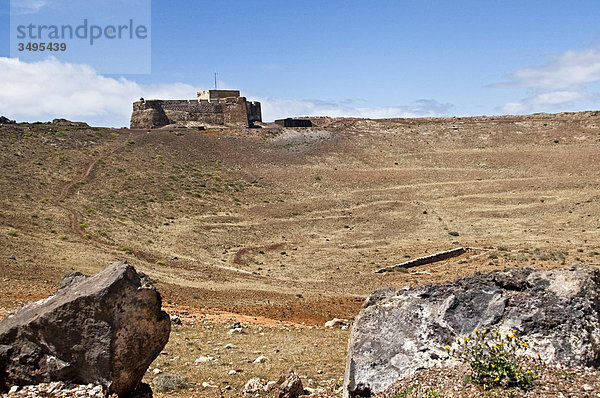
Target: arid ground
{"type": "Point", "coordinates": [282, 229]}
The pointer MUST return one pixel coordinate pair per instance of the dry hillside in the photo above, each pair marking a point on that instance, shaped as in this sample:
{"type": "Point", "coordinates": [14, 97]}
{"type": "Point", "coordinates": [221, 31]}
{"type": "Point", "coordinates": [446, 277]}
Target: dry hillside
{"type": "Point", "coordinates": [290, 224]}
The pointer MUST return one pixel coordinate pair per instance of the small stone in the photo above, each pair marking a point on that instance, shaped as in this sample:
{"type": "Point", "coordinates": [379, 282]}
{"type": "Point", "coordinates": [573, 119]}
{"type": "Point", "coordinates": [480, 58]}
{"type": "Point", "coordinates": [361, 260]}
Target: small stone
{"type": "Point", "coordinates": [232, 372]}
{"type": "Point", "coordinates": [261, 359]}
{"type": "Point", "coordinates": [156, 371]}
{"type": "Point", "coordinates": [229, 346]}
{"type": "Point", "coordinates": [206, 384]}
{"type": "Point", "coordinates": [289, 385]}
{"type": "Point", "coordinates": [270, 385]}
{"type": "Point", "coordinates": [253, 385]}
{"type": "Point", "coordinates": [203, 359]}
{"type": "Point", "coordinates": [336, 322]}
{"type": "Point", "coordinates": [587, 387]}
{"type": "Point", "coordinates": [13, 389]}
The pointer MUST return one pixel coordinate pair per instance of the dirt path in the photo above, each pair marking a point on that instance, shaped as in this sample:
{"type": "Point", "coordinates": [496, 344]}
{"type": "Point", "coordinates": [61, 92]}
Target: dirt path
{"type": "Point", "coordinates": [74, 215]}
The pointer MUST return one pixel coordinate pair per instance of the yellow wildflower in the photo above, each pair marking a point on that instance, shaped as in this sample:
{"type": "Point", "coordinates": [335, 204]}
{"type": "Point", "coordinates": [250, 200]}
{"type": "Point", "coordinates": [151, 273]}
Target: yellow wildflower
{"type": "Point", "coordinates": [497, 379]}
{"type": "Point", "coordinates": [476, 331]}
{"type": "Point", "coordinates": [447, 347]}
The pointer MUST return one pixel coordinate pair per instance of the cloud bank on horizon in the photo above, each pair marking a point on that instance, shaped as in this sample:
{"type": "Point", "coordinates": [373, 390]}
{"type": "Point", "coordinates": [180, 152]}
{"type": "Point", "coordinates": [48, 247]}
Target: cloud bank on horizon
{"type": "Point", "coordinates": [559, 83]}
{"type": "Point", "coordinates": [48, 89]}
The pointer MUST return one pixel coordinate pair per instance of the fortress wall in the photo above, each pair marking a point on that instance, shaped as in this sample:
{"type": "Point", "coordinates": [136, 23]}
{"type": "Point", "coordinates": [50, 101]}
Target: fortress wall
{"type": "Point", "coordinates": [176, 116]}
{"type": "Point", "coordinates": [159, 113]}
{"type": "Point", "coordinates": [192, 106]}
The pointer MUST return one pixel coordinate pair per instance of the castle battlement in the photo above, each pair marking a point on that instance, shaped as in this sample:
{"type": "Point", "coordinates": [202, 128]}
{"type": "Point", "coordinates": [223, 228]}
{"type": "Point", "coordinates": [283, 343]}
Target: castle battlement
{"type": "Point", "coordinates": [212, 107]}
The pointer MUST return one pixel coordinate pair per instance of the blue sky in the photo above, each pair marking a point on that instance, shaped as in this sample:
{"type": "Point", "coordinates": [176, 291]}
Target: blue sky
{"type": "Point", "coordinates": [342, 58]}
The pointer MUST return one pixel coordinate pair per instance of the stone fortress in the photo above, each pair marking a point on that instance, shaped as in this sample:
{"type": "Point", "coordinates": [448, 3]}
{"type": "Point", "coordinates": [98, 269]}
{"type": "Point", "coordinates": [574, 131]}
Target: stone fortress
{"type": "Point", "coordinates": [212, 107]}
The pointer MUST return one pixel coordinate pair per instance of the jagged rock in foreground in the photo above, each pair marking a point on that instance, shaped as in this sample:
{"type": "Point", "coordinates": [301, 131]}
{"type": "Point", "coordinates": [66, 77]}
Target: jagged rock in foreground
{"type": "Point", "coordinates": [103, 329]}
{"type": "Point", "coordinates": [289, 385]}
{"type": "Point", "coordinates": [397, 332]}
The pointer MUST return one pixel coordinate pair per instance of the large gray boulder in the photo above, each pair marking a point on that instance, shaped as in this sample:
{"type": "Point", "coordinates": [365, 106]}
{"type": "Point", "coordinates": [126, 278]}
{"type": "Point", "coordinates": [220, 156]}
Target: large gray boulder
{"type": "Point", "coordinates": [103, 329]}
{"type": "Point", "coordinates": [400, 331]}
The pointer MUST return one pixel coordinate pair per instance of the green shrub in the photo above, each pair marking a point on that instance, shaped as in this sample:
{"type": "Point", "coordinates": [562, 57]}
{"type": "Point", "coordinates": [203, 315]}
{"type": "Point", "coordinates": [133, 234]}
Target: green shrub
{"type": "Point", "coordinates": [414, 390]}
{"type": "Point", "coordinates": [13, 233]}
{"type": "Point", "coordinates": [170, 382]}
{"type": "Point", "coordinates": [493, 359]}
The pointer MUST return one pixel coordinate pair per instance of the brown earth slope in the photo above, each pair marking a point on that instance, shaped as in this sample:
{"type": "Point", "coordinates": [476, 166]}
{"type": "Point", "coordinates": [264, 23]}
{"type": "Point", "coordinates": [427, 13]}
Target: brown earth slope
{"type": "Point", "coordinates": [292, 223]}
{"type": "Point", "coordinates": [289, 225]}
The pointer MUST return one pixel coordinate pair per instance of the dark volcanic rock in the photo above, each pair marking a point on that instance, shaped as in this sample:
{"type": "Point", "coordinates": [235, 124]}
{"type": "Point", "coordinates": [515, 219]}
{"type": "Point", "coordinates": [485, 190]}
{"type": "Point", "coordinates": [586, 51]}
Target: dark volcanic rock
{"type": "Point", "coordinates": [104, 329]}
{"type": "Point", "coordinates": [397, 332]}
{"type": "Point", "coordinates": [68, 123]}
{"type": "Point", "coordinates": [5, 120]}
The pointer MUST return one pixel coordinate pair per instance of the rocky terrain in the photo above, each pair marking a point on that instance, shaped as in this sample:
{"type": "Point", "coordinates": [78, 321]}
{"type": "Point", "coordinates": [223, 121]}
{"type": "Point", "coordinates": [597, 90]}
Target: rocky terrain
{"type": "Point", "coordinates": [400, 332]}
{"type": "Point", "coordinates": [283, 229]}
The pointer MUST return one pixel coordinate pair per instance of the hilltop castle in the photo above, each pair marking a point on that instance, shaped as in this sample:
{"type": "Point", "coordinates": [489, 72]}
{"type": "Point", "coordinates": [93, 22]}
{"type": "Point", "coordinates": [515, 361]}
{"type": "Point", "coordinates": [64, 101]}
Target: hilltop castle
{"type": "Point", "coordinates": [212, 107]}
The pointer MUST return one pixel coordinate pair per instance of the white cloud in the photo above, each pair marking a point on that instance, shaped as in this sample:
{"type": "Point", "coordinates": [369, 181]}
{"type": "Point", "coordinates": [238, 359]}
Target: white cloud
{"type": "Point", "coordinates": [52, 89]}
{"type": "Point", "coordinates": [545, 101]}
{"type": "Point", "coordinates": [273, 108]}
{"type": "Point", "coordinates": [569, 69]}
{"type": "Point", "coordinates": [20, 7]}
{"type": "Point", "coordinates": [560, 83]}
{"type": "Point", "coordinates": [48, 89]}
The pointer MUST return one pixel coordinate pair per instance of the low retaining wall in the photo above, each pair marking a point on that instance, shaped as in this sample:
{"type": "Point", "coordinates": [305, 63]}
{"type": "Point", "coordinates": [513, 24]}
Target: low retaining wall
{"type": "Point", "coordinates": [431, 258]}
